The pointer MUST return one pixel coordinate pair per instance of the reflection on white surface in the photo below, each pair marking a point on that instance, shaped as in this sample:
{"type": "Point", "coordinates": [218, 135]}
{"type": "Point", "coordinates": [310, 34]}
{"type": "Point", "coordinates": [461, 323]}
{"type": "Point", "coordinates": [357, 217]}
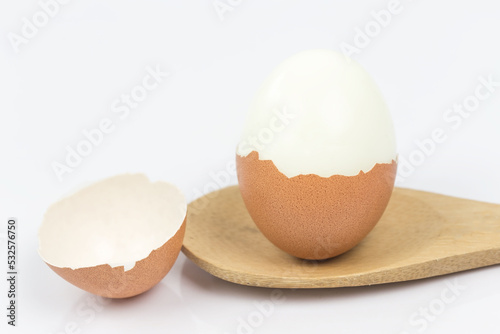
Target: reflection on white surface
{"type": "Point", "coordinates": [157, 309]}
{"type": "Point", "coordinates": [224, 307]}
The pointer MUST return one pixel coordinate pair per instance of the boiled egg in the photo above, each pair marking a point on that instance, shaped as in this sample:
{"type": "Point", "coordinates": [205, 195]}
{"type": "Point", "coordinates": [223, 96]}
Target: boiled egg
{"type": "Point", "coordinates": [317, 159]}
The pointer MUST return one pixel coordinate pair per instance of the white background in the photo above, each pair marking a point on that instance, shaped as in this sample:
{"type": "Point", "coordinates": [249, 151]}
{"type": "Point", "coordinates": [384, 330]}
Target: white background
{"type": "Point", "coordinates": [66, 78]}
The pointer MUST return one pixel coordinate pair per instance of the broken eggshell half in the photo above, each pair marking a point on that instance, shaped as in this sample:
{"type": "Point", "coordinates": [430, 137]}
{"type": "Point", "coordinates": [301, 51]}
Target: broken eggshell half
{"type": "Point", "coordinates": [116, 238]}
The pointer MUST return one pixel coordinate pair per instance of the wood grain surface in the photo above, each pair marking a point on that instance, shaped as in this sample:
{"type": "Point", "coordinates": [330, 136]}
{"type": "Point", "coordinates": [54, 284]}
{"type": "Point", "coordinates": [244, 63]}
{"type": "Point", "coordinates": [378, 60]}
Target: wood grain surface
{"type": "Point", "coordinates": [420, 235]}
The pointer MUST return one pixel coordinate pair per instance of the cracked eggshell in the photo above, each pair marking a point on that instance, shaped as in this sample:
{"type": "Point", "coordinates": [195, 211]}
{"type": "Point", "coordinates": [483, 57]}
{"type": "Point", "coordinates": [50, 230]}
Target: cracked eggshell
{"type": "Point", "coordinates": [116, 238]}
{"type": "Point", "coordinates": [317, 160]}
{"type": "Point", "coordinates": [309, 216]}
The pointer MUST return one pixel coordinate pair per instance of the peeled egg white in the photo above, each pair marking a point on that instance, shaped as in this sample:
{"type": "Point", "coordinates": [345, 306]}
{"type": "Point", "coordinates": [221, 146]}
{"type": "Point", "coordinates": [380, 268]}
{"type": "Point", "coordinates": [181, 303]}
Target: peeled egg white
{"type": "Point", "coordinates": [317, 159]}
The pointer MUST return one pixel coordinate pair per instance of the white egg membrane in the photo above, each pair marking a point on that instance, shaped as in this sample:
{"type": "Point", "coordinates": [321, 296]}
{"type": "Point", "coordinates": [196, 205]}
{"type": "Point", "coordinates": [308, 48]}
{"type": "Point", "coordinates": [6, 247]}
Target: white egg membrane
{"type": "Point", "coordinates": [341, 124]}
{"type": "Point", "coordinates": [118, 221]}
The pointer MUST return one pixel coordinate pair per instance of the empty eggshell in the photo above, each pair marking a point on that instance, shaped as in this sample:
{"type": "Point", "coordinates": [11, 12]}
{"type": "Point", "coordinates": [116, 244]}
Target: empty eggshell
{"type": "Point", "coordinates": [317, 160]}
{"type": "Point", "coordinates": [116, 238]}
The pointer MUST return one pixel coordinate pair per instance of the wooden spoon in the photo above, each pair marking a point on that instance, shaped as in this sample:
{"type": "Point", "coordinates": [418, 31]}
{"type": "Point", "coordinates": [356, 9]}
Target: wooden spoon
{"type": "Point", "coordinates": [420, 235]}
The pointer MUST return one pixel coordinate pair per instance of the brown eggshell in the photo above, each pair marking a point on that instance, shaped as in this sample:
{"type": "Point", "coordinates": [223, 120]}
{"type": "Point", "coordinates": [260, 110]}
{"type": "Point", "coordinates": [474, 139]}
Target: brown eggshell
{"type": "Point", "coordinates": [103, 280]}
{"type": "Point", "coordinates": [309, 216]}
